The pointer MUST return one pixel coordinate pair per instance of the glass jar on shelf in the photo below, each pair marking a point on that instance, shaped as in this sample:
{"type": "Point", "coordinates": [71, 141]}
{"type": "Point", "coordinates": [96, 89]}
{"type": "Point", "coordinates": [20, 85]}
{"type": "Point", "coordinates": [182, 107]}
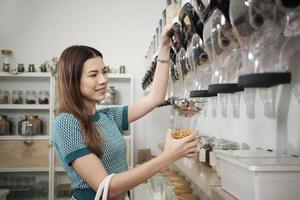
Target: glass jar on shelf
{"type": "Point", "coordinates": [31, 68]}
{"type": "Point", "coordinates": [31, 125]}
{"type": "Point", "coordinates": [21, 67]}
{"type": "Point", "coordinates": [17, 97]}
{"type": "Point", "coordinates": [5, 125]}
{"type": "Point", "coordinates": [4, 94]}
{"type": "Point", "coordinates": [206, 148]}
{"type": "Point", "coordinates": [43, 97]}
{"type": "Point", "coordinates": [111, 96]}
{"type": "Point", "coordinates": [30, 97]}
{"type": "Point", "coordinates": [6, 55]}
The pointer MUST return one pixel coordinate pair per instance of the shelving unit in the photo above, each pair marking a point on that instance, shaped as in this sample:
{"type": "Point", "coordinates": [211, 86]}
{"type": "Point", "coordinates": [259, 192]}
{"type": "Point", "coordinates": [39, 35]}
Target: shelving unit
{"type": "Point", "coordinates": [28, 155]}
{"type": "Point", "coordinates": [40, 145]}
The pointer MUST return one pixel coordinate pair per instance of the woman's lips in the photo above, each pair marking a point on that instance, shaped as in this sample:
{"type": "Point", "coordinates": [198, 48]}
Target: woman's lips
{"type": "Point", "coordinates": [101, 90]}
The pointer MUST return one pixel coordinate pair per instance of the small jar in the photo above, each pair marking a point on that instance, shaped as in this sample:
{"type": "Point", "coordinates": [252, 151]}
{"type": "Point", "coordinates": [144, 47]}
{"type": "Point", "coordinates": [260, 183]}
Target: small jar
{"type": "Point", "coordinates": [17, 97]}
{"type": "Point", "coordinates": [21, 67]}
{"type": "Point", "coordinates": [122, 69]}
{"type": "Point", "coordinates": [30, 97]}
{"type": "Point", "coordinates": [31, 68]}
{"type": "Point", "coordinates": [5, 125]}
{"type": "Point", "coordinates": [43, 68]}
{"type": "Point", "coordinates": [4, 94]}
{"type": "Point", "coordinates": [43, 97]}
{"type": "Point", "coordinates": [111, 96]}
{"type": "Point", "coordinates": [7, 59]}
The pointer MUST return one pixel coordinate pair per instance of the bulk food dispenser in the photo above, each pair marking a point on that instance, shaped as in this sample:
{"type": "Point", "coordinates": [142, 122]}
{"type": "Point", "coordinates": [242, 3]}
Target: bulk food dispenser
{"type": "Point", "coordinates": [184, 109]}
{"type": "Point", "coordinates": [290, 51]}
{"type": "Point", "coordinates": [200, 71]}
{"type": "Point", "coordinates": [224, 53]}
{"type": "Point", "coordinates": [259, 26]}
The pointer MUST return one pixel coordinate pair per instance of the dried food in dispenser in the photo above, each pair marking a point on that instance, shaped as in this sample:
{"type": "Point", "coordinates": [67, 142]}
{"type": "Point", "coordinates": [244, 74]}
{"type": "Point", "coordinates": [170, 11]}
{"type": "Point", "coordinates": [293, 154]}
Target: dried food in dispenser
{"type": "Point", "coordinates": [181, 133]}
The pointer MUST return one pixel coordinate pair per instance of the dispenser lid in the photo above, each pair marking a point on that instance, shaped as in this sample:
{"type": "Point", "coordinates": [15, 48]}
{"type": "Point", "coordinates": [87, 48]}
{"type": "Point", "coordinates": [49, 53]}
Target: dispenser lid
{"type": "Point", "coordinates": [264, 79]}
{"type": "Point", "coordinates": [260, 160]}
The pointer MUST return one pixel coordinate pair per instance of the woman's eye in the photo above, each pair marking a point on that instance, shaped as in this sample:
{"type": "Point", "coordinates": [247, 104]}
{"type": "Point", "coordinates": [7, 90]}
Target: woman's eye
{"type": "Point", "coordinates": [93, 75]}
{"type": "Point", "coordinates": [104, 71]}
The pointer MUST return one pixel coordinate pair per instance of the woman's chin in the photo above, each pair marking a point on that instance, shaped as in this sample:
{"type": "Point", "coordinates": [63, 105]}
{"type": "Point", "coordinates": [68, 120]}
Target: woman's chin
{"type": "Point", "coordinates": [99, 99]}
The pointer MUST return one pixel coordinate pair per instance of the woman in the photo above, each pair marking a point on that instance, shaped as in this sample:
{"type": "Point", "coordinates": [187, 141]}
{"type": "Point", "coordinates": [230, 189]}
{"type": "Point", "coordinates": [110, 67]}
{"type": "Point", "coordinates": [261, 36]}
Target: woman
{"type": "Point", "coordinates": [88, 141]}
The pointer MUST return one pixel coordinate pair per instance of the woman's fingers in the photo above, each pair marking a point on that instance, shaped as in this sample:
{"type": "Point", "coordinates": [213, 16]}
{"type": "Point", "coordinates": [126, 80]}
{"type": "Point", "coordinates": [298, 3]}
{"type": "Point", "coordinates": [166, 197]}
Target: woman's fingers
{"type": "Point", "coordinates": [192, 150]}
{"type": "Point", "coordinates": [192, 144]}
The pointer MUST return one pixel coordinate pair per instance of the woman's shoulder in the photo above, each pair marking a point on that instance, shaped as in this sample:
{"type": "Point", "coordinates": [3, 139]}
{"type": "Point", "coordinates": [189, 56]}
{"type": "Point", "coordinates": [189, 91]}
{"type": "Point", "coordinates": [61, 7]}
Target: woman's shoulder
{"type": "Point", "coordinates": [64, 124]}
{"type": "Point", "coordinates": [65, 118]}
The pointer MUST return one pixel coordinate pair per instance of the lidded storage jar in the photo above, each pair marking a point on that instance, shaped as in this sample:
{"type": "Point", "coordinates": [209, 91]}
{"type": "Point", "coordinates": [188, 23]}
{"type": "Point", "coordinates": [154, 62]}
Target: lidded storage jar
{"type": "Point", "coordinates": [17, 97]}
{"type": "Point", "coordinates": [4, 94]}
{"type": "Point", "coordinates": [5, 125]}
{"type": "Point", "coordinates": [43, 97]}
{"type": "Point", "coordinates": [30, 97]}
{"type": "Point", "coordinates": [31, 125]}
{"type": "Point", "coordinates": [6, 57]}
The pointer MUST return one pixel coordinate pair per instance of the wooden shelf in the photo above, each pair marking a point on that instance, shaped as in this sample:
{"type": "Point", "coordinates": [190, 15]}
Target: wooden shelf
{"type": "Point", "coordinates": [25, 106]}
{"type": "Point", "coordinates": [34, 169]}
{"type": "Point", "coordinates": [26, 75]}
{"type": "Point", "coordinates": [19, 137]}
{"type": "Point", "coordinates": [202, 176]}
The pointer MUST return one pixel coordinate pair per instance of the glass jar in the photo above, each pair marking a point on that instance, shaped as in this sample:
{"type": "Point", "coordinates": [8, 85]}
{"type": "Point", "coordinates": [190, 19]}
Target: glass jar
{"type": "Point", "coordinates": [205, 150]}
{"type": "Point", "coordinates": [6, 59]}
{"type": "Point", "coordinates": [43, 97]}
{"type": "Point", "coordinates": [30, 97]}
{"type": "Point", "coordinates": [4, 94]}
{"type": "Point", "coordinates": [21, 67]}
{"type": "Point", "coordinates": [122, 69]}
{"type": "Point", "coordinates": [17, 97]}
{"type": "Point", "coordinates": [31, 125]}
{"type": "Point", "coordinates": [111, 96]}
{"type": "Point", "coordinates": [5, 125]}
{"type": "Point", "coordinates": [31, 68]}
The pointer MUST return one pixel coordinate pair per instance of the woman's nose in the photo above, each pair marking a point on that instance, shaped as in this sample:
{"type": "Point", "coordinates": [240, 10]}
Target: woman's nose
{"type": "Point", "coordinates": [103, 79]}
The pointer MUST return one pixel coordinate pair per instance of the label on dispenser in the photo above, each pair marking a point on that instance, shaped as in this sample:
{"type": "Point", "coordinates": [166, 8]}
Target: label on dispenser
{"type": "Point", "coordinates": [202, 155]}
{"type": "Point", "coordinates": [212, 158]}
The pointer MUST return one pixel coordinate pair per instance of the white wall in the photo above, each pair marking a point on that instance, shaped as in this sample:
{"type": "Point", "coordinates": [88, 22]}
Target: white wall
{"type": "Point", "coordinates": [37, 30]}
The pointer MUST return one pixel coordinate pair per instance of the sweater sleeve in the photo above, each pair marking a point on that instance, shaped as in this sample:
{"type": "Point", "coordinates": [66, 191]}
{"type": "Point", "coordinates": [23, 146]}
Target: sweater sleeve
{"type": "Point", "coordinates": [120, 116]}
{"type": "Point", "coordinates": [67, 136]}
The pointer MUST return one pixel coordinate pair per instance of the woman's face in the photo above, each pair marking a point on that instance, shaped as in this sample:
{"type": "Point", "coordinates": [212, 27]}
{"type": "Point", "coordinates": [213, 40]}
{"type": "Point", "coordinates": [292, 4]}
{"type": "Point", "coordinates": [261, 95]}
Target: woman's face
{"type": "Point", "coordinates": [94, 79]}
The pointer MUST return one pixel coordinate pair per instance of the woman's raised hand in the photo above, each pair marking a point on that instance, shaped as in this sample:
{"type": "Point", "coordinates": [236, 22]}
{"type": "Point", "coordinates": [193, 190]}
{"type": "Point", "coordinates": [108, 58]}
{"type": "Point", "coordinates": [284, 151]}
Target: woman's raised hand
{"type": "Point", "coordinates": [165, 37]}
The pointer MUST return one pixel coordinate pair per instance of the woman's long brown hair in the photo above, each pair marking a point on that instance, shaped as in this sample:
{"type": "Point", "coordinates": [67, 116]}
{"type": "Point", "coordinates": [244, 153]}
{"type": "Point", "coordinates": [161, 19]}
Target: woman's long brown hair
{"type": "Point", "coordinates": [69, 96]}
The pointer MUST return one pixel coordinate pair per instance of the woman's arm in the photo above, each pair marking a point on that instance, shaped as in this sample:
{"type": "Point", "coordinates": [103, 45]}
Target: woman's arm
{"type": "Point", "coordinates": [93, 172]}
{"type": "Point", "coordinates": [159, 85]}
